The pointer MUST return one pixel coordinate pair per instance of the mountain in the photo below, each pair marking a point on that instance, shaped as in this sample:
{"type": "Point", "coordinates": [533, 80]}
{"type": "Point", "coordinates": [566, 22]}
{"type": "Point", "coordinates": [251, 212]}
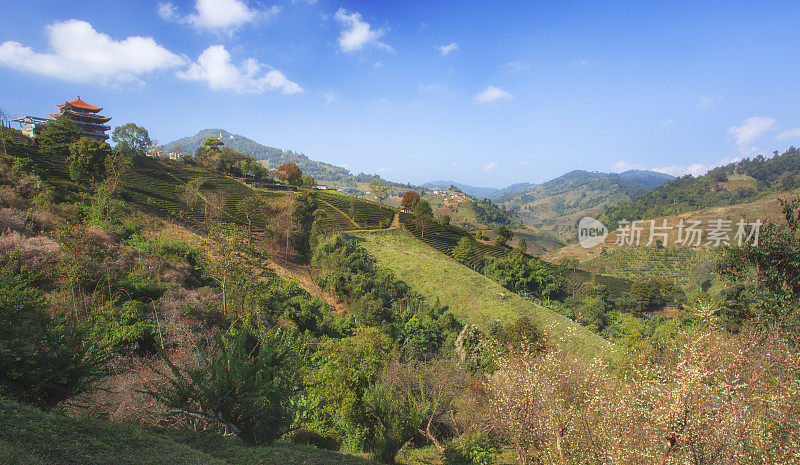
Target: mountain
{"type": "Point", "coordinates": [270, 156]}
{"type": "Point", "coordinates": [645, 179]}
{"type": "Point", "coordinates": [732, 184]}
{"type": "Point", "coordinates": [556, 206]}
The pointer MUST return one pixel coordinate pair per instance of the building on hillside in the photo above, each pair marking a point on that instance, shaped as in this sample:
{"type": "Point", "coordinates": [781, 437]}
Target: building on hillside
{"type": "Point", "coordinates": [31, 126]}
{"type": "Point", "coordinates": [86, 117]}
{"type": "Point", "coordinates": [82, 114]}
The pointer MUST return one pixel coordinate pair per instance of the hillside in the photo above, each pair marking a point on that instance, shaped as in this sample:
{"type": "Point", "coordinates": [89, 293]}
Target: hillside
{"type": "Point", "coordinates": [468, 293]}
{"type": "Point", "coordinates": [30, 436]}
{"type": "Point", "coordinates": [556, 205]}
{"type": "Point", "coordinates": [689, 266]}
{"type": "Point", "coordinates": [270, 156]}
{"type": "Point", "coordinates": [732, 184]}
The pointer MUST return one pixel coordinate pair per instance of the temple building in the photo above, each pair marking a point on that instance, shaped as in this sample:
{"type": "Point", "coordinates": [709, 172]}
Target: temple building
{"type": "Point", "coordinates": [86, 117]}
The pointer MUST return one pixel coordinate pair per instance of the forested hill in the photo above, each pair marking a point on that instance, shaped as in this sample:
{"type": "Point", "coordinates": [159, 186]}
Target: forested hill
{"type": "Point", "coordinates": [272, 156]}
{"type": "Point", "coordinates": [731, 184]}
{"type": "Point", "coordinates": [556, 205]}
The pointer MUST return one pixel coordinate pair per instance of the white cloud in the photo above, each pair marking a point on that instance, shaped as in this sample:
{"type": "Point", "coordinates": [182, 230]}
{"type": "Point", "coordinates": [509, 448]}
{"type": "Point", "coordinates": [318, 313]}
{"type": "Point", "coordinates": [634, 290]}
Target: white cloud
{"type": "Point", "coordinates": [217, 15]}
{"type": "Point", "coordinates": [789, 134]}
{"type": "Point", "coordinates": [492, 94]}
{"type": "Point", "coordinates": [455, 164]}
{"type": "Point", "coordinates": [330, 96]}
{"type": "Point", "coordinates": [622, 166]}
{"type": "Point", "coordinates": [490, 166]}
{"type": "Point", "coordinates": [706, 102]}
{"type": "Point", "coordinates": [668, 121]}
{"type": "Point", "coordinates": [695, 169]}
{"type": "Point", "coordinates": [431, 88]}
{"type": "Point", "coordinates": [446, 49]}
{"type": "Point", "coordinates": [356, 33]}
{"type": "Point", "coordinates": [215, 68]}
{"type": "Point", "coordinates": [79, 53]}
{"type": "Point", "coordinates": [168, 11]}
{"type": "Point", "coordinates": [751, 129]}
{"type": "Point", "coordinates": [524, 162]}
{"type": "Point", "coordinates": [516, 66]}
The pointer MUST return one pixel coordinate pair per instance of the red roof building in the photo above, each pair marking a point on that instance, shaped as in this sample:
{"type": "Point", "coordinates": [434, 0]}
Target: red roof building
{"type": "Point", "coordinates": [86, 117]}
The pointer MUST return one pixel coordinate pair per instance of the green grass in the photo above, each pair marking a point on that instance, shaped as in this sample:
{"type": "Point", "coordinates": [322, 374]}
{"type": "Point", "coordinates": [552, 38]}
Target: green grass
{"type": "Point", "coordinates": [29, 436]}
{"type": "Point", "coordinates": [467, 293]}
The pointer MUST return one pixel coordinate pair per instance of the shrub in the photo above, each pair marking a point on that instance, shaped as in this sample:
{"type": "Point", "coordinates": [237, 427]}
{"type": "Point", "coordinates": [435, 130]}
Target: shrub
{"type": "Point", "coordinates": [248, 382]}
{"type": "Point", "coordinates": [312, 438]}
{"type": "Point", "coordinates": [123, 328]}
{"type": "Point", "coordinates": [476, 448]}
{"type": "Point", "coordinates": [42, 361]}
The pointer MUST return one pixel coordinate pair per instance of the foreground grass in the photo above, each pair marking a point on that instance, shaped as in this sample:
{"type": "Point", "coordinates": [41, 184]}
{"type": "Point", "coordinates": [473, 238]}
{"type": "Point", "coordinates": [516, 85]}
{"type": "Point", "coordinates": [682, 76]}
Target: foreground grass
{"type": "Point", "coordinates": [469, 294]}
{"type": "Point", "coordinates": [30, 436]}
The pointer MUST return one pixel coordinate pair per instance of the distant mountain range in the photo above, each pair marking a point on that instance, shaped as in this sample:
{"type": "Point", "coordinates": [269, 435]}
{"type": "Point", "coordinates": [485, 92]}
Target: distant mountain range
{"type": "Point", "coordinates": [556, 206]}
{"type": "Point", "coordinates": [477, 192]}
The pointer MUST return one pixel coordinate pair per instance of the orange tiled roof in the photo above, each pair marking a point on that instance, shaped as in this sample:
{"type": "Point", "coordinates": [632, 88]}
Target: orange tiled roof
{"type": "Point", "coordinates": [78, 103]}
{"type": "Point", "coordinates": [98, 118]}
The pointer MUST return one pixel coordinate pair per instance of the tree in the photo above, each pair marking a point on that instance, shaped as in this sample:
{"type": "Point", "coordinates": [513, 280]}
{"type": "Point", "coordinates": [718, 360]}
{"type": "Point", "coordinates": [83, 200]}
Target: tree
{"type": "Point", "coordinates": [409, 199]}
{"type": "Point", "coordinates": [224, 263]}
{"type": "Point", "coordinates": [347, 368]}
{"type": "Point", "coordinates": [291, 174]}
{"type": "Point", "coordinates": [464, 251]}
{"type": "Point", "coordinates": [522, 246]}
{"type": "Point", "coordinates": [308, 180]}
{"type": "Point", "coordinates": [527, 276]}
{"type": "Point", "coordinates": [3, 121]}
{"type": "Point", "coordinates": [132, 139]}
{"type": "Point", "coordinates": [424, 215]}
{"type": "Point", "coordinates": [775, 265]}
{"type": "Point", "coordinates": [254, 208]}
{"type": "Point", "coordinates": [379, 190]}
{"type": "Point", "coordinates": [444, 220]}
{"type": "Point", "coordinates": [503, 235]}
{"type": "Point", "coordinates": [57, 136]}
{"type": "Point", "coordinates": [87, 160]}
{"type": "Point", "coordinates": [248, 381]}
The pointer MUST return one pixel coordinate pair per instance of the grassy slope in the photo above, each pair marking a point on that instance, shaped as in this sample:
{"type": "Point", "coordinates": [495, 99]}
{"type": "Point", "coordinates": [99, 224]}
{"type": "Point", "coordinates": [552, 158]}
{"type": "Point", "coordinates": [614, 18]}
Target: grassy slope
{"type": "Point", "coordinates": [30, 436]}
{"type": "Point", "coordinates": [468, 293]}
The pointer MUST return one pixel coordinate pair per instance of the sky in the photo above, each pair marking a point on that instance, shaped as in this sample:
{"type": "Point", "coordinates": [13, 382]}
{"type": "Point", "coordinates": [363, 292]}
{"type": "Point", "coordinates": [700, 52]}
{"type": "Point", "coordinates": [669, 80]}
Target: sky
{"type": "Point", "coordinates": [486, 93]}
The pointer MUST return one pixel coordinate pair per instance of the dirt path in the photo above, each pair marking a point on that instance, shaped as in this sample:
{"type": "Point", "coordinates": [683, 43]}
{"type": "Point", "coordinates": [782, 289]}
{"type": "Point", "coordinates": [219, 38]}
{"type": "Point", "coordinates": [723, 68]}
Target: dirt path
{"type": "Point", "coordinates": [343, 213]}
{"type": "Point", "coordinates": [304, 277]}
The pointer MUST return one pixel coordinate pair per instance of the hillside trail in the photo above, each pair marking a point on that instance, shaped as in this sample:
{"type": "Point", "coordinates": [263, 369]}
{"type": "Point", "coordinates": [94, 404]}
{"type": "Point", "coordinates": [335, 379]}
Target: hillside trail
{"type": "Point", "coordinates": [303, 275]}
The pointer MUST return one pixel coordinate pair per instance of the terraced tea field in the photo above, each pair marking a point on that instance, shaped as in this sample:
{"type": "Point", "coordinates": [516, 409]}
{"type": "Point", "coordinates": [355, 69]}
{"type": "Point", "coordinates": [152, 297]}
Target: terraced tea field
{"type": "Point", "coordinates": [361, 214]}
{"type": "Point", "coordinates": [445, 239]}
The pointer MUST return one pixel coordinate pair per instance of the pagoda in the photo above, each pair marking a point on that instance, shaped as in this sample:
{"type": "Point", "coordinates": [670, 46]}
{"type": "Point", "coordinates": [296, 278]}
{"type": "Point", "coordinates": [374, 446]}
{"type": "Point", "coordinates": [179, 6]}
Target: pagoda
{"type": "Point", "coordinates": [86, 117]}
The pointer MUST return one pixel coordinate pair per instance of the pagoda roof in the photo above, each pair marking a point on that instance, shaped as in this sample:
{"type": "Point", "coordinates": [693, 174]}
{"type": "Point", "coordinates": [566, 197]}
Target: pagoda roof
{"type": "Point", "coordinates": [96, 118]}
{"type": "Point", "coordinates": [78, 103]}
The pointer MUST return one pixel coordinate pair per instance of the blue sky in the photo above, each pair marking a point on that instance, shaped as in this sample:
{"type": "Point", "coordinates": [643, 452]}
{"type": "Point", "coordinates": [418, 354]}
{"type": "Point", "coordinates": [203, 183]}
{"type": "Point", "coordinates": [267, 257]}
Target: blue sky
{"type": "Point", "coordinates": [482, 92]}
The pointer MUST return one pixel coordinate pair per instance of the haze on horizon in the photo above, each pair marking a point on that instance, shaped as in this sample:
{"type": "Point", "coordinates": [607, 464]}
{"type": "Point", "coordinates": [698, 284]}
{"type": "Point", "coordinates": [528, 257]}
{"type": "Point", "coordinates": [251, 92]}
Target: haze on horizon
{"type": "Point", "coordinates": [484, 93]}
